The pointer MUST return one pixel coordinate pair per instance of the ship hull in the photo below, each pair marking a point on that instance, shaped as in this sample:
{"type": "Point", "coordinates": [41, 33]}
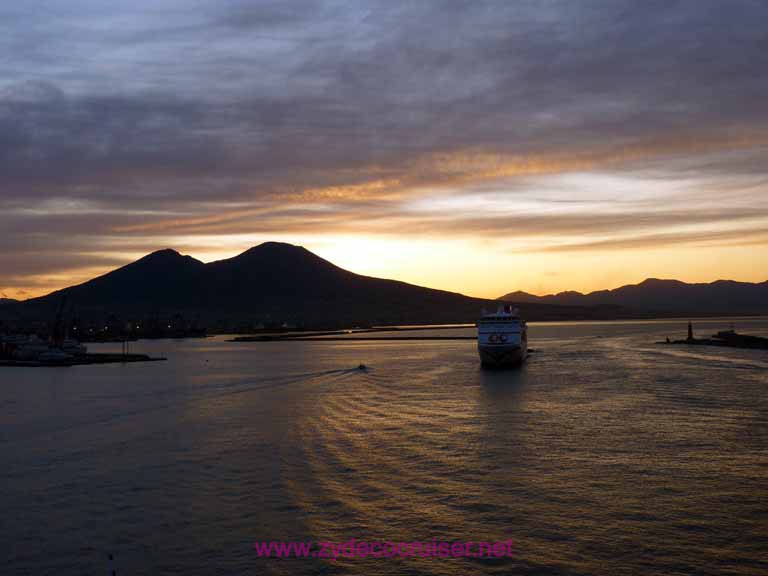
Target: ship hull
{"type": "Point", "coordinates": [501, 356]}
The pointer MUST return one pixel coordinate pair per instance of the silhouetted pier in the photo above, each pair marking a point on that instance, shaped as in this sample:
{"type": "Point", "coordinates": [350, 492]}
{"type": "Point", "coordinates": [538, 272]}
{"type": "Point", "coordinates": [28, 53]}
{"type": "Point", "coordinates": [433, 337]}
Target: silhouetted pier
{"type": "Point", "coordinates": [82, 360]}
{"type": "Point", "coordinates": [331, 335]}
{"type": "Point", "coordinates": [725, 338]}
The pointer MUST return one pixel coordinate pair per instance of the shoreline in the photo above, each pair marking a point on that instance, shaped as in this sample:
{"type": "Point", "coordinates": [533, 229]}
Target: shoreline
{"type": "Point", "coordinates": [84, 360]}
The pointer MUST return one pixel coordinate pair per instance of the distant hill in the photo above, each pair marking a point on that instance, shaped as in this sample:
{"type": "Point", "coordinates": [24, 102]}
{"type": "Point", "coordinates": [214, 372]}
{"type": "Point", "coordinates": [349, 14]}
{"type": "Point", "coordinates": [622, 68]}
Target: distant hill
{"type": "Point", "coordinates": [274, 284]}
{"type": "Point", "coordinates": [7, 301]}
{"type": "Point", "coordinates": [270, 283]}
{"type": "Point", "coordinates": [665, 297]}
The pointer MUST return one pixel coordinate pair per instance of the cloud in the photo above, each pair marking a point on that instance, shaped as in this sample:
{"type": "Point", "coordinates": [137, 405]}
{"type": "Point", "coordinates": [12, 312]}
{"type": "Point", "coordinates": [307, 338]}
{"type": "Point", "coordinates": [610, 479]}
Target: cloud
{"type": "Point", "coordinates": [741, 237]}
{"type": "Point", "coordinates": [236, 117]}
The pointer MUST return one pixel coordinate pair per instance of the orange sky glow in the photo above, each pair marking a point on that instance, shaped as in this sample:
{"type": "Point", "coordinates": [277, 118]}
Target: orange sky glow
{"type": "Point", "coordinates": [481, 148]}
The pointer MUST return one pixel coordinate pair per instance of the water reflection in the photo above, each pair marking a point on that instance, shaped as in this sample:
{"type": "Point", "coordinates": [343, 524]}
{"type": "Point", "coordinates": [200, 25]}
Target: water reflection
{"type": "Point", "coordinates": [599, 456]}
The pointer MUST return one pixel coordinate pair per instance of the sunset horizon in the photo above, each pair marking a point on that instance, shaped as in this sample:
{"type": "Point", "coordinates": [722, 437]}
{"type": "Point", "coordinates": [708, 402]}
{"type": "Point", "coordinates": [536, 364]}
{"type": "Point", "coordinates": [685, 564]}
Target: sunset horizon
{"type": "Point", "coordinates": [375, 269]}
{"type": "Point", "coordinates": [481, 149]}
{"type": "Point", "coordinates": [384, 287]}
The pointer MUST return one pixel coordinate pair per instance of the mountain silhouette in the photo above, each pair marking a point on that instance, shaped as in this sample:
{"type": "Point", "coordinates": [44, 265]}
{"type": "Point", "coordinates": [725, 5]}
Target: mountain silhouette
{"type": "Point", "coordinates": [665, 296]}
{"type": "Point", "coordinates": [158, 280]}
{"type": "Point", "coordinates": [275, 283]}
{"type": "Point", "coordinates": [270, 283]}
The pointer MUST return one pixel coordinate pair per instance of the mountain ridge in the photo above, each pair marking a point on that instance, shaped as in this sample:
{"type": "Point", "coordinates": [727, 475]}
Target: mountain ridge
{"type": "Point", "coordinates": [267, 284]}
{"type": "Point", "coordinates": [279, 284]}
{"type": "Point", "coordinates": [664, 295]}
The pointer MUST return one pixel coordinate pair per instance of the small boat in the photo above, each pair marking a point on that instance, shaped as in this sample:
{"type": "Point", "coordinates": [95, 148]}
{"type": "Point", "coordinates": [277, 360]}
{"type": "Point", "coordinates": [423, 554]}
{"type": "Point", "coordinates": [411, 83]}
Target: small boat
{"type": "Point", "coordinates": [502, 338]}
{"type": "Point", "coordinates": [33, 348]}
{"type": "Point", "coordinates": [53, 355]}
{"type": "Point", "coordinates": [73, 347]}
{"type": "Point", "coordinates": [29, 348]}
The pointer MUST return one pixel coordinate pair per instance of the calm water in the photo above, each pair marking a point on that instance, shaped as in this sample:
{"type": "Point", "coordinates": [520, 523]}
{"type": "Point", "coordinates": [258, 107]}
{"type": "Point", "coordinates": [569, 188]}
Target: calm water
{"type": "Point", "coordinates": [605, 454]}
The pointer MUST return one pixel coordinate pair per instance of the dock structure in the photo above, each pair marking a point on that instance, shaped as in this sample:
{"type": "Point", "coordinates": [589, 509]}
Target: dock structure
{"type": "Point", "coordinates": [725, 338]}
{"type": "Point", "coordinates": [343, 338]}
{"type": "Point", "coordinates": [81, 360]}
{"type": "Point", "coordinates": [353, 334]}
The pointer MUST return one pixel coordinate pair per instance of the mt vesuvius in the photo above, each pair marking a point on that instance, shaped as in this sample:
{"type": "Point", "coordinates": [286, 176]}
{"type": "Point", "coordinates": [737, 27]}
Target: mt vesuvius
{"type": "Point", "coordinates": [276, 283]}
{"type": "Point", "coordinates": [269, 284]}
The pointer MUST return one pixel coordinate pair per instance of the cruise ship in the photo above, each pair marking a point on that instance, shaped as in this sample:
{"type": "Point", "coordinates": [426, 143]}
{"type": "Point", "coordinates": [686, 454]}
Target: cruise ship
{"type": "Point", "coordinates": [502, 337]}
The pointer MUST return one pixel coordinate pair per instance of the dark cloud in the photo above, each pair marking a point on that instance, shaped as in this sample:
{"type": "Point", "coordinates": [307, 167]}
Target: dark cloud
{"type": "Point", "coordinates": [238, 111]}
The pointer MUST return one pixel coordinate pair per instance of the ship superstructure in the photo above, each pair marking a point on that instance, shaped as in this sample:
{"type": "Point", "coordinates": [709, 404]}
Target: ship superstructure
{"type": "Point", "coordinates": [502, 337]}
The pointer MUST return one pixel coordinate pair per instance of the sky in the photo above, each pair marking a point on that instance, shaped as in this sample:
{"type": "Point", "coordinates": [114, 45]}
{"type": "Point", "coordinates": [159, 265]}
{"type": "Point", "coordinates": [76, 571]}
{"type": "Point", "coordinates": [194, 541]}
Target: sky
{"type": "Point", "coordinates": [474, 146]}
